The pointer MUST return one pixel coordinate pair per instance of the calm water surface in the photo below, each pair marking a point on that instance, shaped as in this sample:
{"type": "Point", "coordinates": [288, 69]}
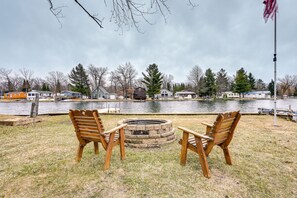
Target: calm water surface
{"type": "Point", "coordinates": [23, 108]}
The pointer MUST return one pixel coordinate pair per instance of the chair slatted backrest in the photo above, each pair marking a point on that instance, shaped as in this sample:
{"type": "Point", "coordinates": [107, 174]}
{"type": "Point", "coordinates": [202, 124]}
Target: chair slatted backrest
{"type": "Point", "coordinates": [88, 125]}
{"type": "Point", "coordinates": [223, 129]}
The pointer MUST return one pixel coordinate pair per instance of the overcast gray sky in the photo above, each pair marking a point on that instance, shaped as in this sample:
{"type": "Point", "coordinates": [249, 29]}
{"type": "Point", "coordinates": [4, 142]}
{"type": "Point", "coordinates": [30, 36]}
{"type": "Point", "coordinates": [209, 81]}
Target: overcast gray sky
{"type": "Point", "coordinates": [217, 34]}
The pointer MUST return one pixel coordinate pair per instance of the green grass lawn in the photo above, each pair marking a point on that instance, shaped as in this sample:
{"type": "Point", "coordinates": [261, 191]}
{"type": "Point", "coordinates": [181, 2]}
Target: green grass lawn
{"type": "Point", "coordinates": [38, 160]}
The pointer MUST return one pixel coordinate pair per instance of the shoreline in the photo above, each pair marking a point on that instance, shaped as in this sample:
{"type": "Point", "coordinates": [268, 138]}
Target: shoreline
{"type": "Point", "coordinates": [147, 100]}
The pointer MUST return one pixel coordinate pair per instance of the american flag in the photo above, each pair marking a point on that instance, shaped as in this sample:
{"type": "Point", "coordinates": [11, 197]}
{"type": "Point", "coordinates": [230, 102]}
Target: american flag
{"type": "Point", "coordinates": [270, 9]}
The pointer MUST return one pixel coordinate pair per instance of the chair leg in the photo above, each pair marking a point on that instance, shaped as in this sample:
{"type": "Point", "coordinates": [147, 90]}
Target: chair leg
{"type": "Point", "coordinates": [184, 149]}
{"type": "Point", "coordinates": [227, 156]}
{"type": "Point", "coordinates": [96, 148]}
{"type": "Point", "coordinates": [122, 144]}
{"type": "Point", "coordinates": [79, 152]}
{"type": "Point", "coordinates": [202, 158]}
{"type": "Point", "coordinates": [109, 151]}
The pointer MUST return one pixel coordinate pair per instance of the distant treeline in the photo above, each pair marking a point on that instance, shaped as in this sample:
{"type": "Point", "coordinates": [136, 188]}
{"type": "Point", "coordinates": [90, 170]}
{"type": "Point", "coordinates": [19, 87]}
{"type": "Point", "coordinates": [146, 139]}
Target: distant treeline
{"type": "Point", "coordinates": [124, 79]}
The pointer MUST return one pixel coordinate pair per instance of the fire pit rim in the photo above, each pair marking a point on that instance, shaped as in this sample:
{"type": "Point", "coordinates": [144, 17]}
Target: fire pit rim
{"type": "Point", "coordinates": [145, 121]}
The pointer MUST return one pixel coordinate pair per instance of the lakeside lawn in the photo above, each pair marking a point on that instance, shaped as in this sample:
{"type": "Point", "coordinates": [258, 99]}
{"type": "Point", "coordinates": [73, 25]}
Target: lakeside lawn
{"type": "Point", "coordinates": [38, 160]}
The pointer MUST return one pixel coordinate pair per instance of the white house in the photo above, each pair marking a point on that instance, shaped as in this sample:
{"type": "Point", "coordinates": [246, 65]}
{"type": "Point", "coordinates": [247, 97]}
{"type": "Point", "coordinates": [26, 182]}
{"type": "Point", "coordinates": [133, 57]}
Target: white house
{"type": "Point", "coordinates": [257, 94]}
{"type": "Point", "coordinates": [164, 93]}
{"type": "Point", "coordinates": [229, 94]}
{"type": "Point", "coordinates": [46, 94]}
{"type": "Point", "coordinates": [185, 94]}
{"type": "Point", "coordinates": [70, 95]}
{"type": "Point", "coordinates": [32, 95]}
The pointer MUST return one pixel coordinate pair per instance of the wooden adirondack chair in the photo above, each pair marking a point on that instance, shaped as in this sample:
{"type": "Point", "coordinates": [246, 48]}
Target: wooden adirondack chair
{"type": "Point", "coordinates": [220, 133]}
{"type": "Point", "coordinates": [89, 128]}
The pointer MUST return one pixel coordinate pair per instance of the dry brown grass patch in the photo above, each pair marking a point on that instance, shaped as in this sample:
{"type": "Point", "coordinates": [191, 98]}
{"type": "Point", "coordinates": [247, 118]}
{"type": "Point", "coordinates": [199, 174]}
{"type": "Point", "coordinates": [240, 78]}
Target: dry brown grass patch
{"type": "Point", "coordinates": [38, 161]}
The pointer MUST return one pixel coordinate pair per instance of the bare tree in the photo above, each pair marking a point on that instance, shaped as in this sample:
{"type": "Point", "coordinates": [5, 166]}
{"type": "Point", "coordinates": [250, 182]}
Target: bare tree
{"type": "Point", "coordinates": [97, 75]}
{"type": "Point", "coordinates": [27, 77]}
{"type": "Point", "coordinates": [26, 73]}
{"type": "Point", "coordinates": [287, 83]}
{"type": "Point", "coordinates": [37, 83]}
{"type": "Point", "coordinates": [56, 81]}
{"type": "Point", "coordinates": [124, 75]}
{"type": "Point", "coordinates": [114, 81]}
{"type": "Point", "coordinates": [127, 13]}
{"type": "Point", "coordinates": [16, 82]}
{"type": "Point", "coordinates": [167, 82]}
{"type": "Point", "coordinates": [139, 83]}
{"type": "Point", "coordinates": [6, 78]}
{"type": "Point", "coordinates": [194, 77]}
{"type": "Point", "coordinates": [260, 85]}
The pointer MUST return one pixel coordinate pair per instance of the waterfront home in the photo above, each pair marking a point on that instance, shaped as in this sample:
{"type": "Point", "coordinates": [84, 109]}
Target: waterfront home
{"type": "Point", "coordinates": [46, 94]}
{"type": "Point", "coordinates": [32, 95]}
{"type": "Point", "coordinates": [229, 94]}
{"type": "Point", "coordinates": [15, 95]}
{"type": "Point", "coordinates": [257, 94]}
{"type": "Point", "coordinates": [139, 93]}
{"type": "Point", "coordinates": [70, 95]}
{"type": "Point", "coordinates": [185, 94]}
{"type": "Point", "coordinates": [164, 93]}
{"type": "Point", "coordinates": [100, 92]}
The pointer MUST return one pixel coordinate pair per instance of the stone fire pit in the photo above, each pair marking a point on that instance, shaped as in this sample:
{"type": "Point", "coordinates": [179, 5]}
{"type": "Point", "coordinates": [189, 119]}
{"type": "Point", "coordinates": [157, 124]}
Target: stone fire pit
{"type": "Point", "coordinates": [148, 133]}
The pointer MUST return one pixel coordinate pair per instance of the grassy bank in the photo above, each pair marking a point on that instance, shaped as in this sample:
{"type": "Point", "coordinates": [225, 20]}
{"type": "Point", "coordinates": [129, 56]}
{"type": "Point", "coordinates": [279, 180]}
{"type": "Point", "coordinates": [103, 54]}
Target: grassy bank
{"type": "Point", "coordinates": [38, 161]}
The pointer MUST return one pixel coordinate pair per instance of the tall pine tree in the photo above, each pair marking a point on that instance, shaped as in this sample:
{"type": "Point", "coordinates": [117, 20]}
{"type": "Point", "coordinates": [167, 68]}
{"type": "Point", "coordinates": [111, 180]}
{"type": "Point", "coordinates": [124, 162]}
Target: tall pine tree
{"type": "Point", "coordinates": [210, 88]}
{"type": "Point", "coordinates": [271, 87]}
{"type": "Point", "coordinates": [222, 81]}
{"type": "Point", "coordinates": [241, 82]}
{"type": "Point", "coordinates": [252, 81]}
{"type": "Point", "coordinates": [79, 81]}
{"type": "Point", "coordinates": [152, 80]}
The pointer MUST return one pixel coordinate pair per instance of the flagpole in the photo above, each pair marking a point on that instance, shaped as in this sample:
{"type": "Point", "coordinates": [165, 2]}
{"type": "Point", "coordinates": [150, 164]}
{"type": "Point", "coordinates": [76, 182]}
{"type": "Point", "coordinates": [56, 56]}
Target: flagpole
{"type": "Point", "coordinates": [274, 60]}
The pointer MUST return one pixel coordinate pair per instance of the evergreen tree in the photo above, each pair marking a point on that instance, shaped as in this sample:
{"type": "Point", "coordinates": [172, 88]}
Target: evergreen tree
{"type": "Point", "coordinates": [222, 81]}
{"type": "Point", "coordinates": [10, 86]}
{"type": "Point", "coordinates": [44, 87]}
{"type": "Point", "coordinates": [210, 88]}
{"type": "Point", "coordinates": [241, 82]}
{"type": "Point", "coordinates": [153, 80]}
{"type": "Point", "coordinates": [58, 87]}
{"type": "Point", "coordinates": [252, 80]}
{"type": "Point", "coordinates": [79, 81]}
{"type": "Point", "coordinates": [271, 87]}
{"type": "Point", "coordinates": [177, 87]}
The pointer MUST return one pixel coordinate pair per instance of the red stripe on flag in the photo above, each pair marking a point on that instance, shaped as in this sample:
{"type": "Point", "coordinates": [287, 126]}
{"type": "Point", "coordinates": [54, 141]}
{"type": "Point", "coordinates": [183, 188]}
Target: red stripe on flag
{"type": "Point", "coordinates": [270, 9]}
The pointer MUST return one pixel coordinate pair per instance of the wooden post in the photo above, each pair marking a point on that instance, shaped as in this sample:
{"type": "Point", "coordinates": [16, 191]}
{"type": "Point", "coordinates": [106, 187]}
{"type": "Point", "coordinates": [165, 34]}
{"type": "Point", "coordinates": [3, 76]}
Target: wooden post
{"type": "Point", "coordinates": [34, 106]}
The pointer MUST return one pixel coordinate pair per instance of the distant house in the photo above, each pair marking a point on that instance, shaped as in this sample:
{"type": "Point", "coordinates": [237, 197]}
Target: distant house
{"type": "Point", "coordinates": [15, 95]}
{"type": "Point", "coordinates": [70, 95]}
{"type": "Point", "coordinates": [185, 94]}
{"type": "Point", "coordinates": [164, 93]}
{"type": "Point", "coordinates": [32, 95]}
{"type": "Point", "coordinates": [257, 94]}
{"type": "Point", "coordinates": [139, 93]}
{"type": "Point", "coordinates": [100, 93]}
{"type": "Point", "coordinates": [229, 94]}
{"type": "Point", "coordinates": [46, 94]}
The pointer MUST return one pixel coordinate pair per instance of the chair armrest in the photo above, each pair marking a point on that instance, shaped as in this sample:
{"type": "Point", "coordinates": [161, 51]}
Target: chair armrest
{"type": "Point", "coordinates": [115, 129]}
{"type": "Point", "coordinates": [207, 124]}
{"type": "Point", "coordinates": [195, 133]}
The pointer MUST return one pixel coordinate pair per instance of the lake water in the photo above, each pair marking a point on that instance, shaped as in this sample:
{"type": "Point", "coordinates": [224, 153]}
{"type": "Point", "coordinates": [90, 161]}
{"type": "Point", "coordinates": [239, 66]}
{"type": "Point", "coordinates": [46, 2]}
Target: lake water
{"type": "Point", "coordinates": [190, 106]}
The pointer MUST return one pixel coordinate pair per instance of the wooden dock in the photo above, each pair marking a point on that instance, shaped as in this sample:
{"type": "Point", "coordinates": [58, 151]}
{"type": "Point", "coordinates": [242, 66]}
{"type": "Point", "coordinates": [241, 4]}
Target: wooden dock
{"type": "Point", "coordinates": [18, 121]}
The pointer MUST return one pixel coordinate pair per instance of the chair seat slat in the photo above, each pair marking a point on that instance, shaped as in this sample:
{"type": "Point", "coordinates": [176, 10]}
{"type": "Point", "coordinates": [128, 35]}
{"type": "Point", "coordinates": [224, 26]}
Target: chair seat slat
{"type": "Point", "coordinates": [87, 127]}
